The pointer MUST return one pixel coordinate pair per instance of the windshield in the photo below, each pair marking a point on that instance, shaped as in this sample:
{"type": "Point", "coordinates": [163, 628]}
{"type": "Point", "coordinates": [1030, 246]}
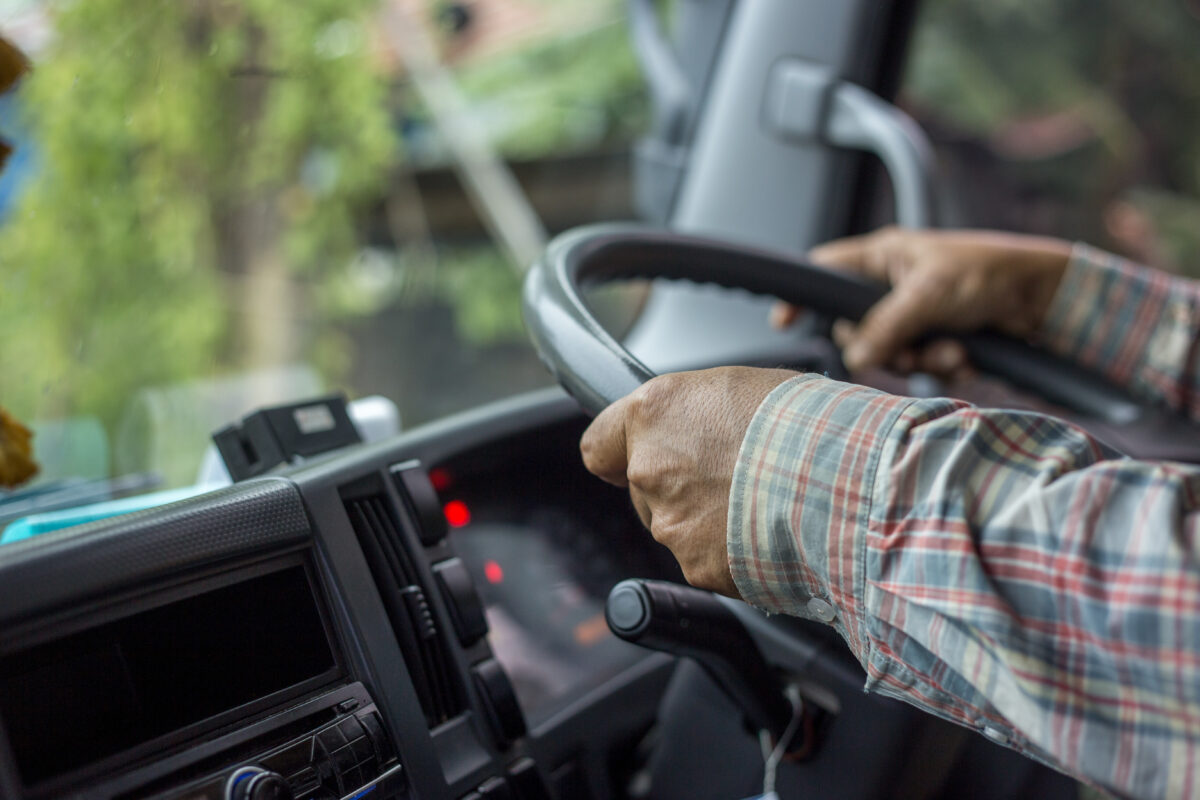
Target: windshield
{"type": "Point", "coordinates": [217, 205]}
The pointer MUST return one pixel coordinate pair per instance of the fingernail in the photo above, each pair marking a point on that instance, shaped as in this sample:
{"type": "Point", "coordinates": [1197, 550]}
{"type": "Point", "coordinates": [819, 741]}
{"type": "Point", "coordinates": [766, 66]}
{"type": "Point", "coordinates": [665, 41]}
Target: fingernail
{"type": "Point", "coordinates": [778, 316]}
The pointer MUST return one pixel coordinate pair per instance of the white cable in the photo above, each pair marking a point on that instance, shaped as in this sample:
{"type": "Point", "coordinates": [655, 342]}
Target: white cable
{"type": "Point", "coordinates": [771, 758]}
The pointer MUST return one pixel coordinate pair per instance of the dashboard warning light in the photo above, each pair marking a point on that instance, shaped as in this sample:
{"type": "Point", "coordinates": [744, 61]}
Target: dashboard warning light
{"type": "Point", "coordinates": [440, 478]}
{"type": "Point", "coordinates": [493, 572]}
{"type": "Point", "coordinates": [457, 513]}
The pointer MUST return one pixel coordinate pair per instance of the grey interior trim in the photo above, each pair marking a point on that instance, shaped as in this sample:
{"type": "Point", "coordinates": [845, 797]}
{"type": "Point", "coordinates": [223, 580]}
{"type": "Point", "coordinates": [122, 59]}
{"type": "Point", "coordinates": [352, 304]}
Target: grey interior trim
{"type": "Point", "coordinates": [806, 103]}
{"type": "Point", "coordinates": [747, 184]}
{"type": "Point", "coordinates": [677, 70]}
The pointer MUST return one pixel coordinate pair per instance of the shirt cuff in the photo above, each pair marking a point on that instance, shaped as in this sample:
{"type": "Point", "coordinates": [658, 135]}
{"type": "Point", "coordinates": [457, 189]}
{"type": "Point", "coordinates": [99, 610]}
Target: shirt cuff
{"type": "Point", "coordinates": [800, 502]}
{"type": "Point", "coordinates": [1105, 312]}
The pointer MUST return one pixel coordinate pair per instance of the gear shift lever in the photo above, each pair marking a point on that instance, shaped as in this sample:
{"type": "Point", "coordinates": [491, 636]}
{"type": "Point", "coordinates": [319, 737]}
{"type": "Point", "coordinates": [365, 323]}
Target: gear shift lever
{"type": "Point", "coordinates": [694, 623]}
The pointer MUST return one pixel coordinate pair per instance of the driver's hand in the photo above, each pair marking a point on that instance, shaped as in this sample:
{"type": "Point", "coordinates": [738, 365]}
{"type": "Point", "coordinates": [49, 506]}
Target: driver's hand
{"type": "Point", "coordinates": [674, 442]}
{"type": "Point", "coordinates": [941, 281]}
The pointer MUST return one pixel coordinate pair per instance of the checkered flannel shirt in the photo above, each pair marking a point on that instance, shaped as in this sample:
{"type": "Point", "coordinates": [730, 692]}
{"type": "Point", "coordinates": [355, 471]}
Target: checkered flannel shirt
{"type": "Point", "coordinates": [1000, 569]}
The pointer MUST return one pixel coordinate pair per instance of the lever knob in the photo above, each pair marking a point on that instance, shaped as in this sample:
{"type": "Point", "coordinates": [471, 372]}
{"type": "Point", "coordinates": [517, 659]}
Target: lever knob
{"type": "Point", "coordinates": [694, 623]}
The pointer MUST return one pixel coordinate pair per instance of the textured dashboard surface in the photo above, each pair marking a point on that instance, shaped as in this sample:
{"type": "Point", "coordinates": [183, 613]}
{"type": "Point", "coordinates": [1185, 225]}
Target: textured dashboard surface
{"type": "Point", "coordinates": [57, 569]}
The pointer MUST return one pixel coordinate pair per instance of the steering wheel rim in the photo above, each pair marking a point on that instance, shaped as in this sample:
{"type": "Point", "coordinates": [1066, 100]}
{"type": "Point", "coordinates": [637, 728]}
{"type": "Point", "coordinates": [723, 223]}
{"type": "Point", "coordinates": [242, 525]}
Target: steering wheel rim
{"type": "Point", "coordinates": [597, 370]}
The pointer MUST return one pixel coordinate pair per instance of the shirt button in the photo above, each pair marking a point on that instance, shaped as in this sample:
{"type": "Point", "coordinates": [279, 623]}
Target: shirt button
{"type": "Point", "coordinates": [821, 610]}
{"type": "Point", "coordinates": [996, 735]}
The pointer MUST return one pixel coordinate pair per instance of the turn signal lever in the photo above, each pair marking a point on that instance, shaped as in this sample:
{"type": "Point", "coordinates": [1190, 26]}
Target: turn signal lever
{"type": "Point", "coordinates": [694, 623]}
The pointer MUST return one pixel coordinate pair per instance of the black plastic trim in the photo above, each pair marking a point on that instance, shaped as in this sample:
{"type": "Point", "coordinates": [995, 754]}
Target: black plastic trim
{"type": "Point", "coordinates": [58, 569]}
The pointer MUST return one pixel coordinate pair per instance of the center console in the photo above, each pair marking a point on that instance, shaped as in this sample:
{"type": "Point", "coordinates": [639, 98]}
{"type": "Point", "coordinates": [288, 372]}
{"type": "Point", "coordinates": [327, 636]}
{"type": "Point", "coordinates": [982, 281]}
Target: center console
{"type": "Point", "coordinates": [230, 685]}
{"type": "Point", "coordinates": [317, 635]}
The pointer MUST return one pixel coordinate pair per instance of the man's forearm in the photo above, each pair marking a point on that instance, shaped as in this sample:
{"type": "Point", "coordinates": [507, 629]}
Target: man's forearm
{"type": "Point", "coordinates": [997, 569]}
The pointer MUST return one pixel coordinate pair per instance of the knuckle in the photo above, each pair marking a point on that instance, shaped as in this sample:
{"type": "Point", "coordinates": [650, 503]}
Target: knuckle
{"type": "Point", "coordinates": [648, 400]}
{"type": "Point", "coordinates": [593, 451]}
{"type": "Point", "coordinates": [669, 527]}
{"type": "Point", "coordinates": [641, 472]}
{"type": "Point", "coordinates": [587, 446]}
{"type": "Point", "coordinates": [702, 576]}
{"type": "Point", "coordinates": [662, 534]}
{"type": "Point", "coordinates": [641, 401]}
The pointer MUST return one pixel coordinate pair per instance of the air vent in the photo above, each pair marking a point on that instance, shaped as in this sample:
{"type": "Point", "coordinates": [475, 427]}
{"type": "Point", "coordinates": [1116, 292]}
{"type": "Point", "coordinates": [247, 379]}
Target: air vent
{"type": "Point", "coordinates": [412, 620]}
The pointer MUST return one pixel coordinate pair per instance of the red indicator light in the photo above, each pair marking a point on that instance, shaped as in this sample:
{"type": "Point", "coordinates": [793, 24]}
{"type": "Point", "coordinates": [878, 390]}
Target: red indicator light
{"type": "Point", "coordinates": [457, 513]}
{"type": "Point", "coordinates": [441, 479]}
{"type": "Point", "coordinates": [493, 572]}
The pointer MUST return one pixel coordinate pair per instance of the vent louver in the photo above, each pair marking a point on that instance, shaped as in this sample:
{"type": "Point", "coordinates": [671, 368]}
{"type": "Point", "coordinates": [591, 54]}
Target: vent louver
{"type": "Point", "coordinates": [408, 609]}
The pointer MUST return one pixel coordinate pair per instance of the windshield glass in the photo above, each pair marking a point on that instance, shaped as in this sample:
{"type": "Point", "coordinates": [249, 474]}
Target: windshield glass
{"type": "Point", "coordinates": [1065, 118]}
{"type": "Point", "coordinates": [215, 205]}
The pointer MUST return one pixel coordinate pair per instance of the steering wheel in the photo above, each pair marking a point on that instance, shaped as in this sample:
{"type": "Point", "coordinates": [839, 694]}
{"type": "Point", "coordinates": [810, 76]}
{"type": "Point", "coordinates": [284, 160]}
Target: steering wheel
{"type": "Point", "coordinates": [597, 370]}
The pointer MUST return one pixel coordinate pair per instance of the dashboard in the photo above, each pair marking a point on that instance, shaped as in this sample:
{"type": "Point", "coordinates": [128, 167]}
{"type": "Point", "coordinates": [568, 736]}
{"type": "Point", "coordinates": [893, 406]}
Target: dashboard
{"type": "Point", "coordinates": [338, 630]}
{"type": "Point", "coordinates": [419, 618]}
{"type": "Point", "coordinates": [544, 542]}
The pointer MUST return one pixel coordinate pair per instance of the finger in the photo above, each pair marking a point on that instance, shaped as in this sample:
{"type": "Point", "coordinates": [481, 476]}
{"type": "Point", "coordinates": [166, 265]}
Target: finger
{"type": "Point", "coordinates": [849, 253]}
{"type": "Point", "coordinates": [782, 315]}
{"type": "Point", "coordinates": [890, 325]}
{"type": "Point", "coordinates": [943, 357]}
{"type": "Point", "coordinates": [863, 255]}
{"type": "Point", "coordinates": [843, 333]}
{"type": "Point", "coordinates": [604, 445]}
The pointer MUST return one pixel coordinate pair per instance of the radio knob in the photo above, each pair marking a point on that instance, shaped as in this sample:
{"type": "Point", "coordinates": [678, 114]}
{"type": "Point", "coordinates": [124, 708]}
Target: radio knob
{"type": "Point", "coordinates": [251, 783]}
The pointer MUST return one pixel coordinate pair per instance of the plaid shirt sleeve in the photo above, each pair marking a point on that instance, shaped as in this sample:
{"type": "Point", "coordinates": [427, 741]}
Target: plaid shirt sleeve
{"type": "Point", "coordinates": [1002, 570]}
{"type": "Point", "coordinates": [1139, 327]}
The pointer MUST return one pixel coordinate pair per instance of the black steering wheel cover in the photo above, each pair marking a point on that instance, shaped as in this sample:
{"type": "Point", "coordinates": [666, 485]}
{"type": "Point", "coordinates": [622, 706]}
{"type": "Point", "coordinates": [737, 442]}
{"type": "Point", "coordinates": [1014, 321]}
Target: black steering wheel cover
{"type": "Point", "coordinates": [592, 366]}
{"type": "Point", "coordinates": [597, 370]}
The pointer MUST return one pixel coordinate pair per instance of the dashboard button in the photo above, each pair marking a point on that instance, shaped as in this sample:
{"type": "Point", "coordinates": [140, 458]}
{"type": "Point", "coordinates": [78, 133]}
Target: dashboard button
{"type": "Point", "coordinates": [499, 701]}
{"type": "Point", "coordinates": [424, 501]}
{"type": "Point", "coordinates": [458, 590]}
{"type": "Point", "coordinates": [496, 789]}
{"type": "Point", "coordinates": [261, 785]}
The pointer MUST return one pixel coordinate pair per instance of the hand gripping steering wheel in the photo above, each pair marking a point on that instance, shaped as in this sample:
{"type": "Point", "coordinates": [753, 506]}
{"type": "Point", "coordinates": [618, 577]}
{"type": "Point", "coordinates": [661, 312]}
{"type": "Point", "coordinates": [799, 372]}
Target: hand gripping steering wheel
{"type": "Point", "coordinates": [597, 370]}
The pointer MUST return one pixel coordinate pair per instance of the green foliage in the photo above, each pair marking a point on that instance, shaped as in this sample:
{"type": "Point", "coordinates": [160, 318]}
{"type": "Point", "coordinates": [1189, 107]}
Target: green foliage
{"type": "Point", "coordinates": [1130, 71]}
{"type": "Point", "coordinates": [182, 144]}
{"type": "Point", "coordinates": [486, 294]}
{"type": "Point", "coordinates": [566, 94]}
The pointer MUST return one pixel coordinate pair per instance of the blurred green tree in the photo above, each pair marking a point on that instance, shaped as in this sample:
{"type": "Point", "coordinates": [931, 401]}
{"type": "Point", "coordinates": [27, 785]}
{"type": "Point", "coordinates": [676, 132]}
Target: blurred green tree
{"type": "Point", "coordinates": [1122, 79]}
{"type": "Point", "coordinates": [200, 162]}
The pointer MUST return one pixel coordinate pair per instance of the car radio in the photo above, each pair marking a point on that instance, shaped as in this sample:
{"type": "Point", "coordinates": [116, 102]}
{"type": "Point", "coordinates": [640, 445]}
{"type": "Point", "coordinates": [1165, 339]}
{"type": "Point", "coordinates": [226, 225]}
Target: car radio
{"type": "Point", "coordinates": [226, 685]}
{"type": "Point", "coordinates": [348, 754]}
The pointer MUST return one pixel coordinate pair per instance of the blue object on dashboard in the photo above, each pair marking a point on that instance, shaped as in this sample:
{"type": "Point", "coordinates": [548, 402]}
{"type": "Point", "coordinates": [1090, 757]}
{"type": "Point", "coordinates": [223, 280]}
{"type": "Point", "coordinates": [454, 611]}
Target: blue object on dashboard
{"type": "Point", "coordinates": [36, 524]}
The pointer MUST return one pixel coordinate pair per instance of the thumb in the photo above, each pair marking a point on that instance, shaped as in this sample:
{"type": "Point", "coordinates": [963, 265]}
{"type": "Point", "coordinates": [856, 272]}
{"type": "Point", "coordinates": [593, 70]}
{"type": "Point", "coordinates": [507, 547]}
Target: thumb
{"type": "Point", "coordinates": [605, 446]}
{"type": "Point", "coordinates": [890, 325]}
